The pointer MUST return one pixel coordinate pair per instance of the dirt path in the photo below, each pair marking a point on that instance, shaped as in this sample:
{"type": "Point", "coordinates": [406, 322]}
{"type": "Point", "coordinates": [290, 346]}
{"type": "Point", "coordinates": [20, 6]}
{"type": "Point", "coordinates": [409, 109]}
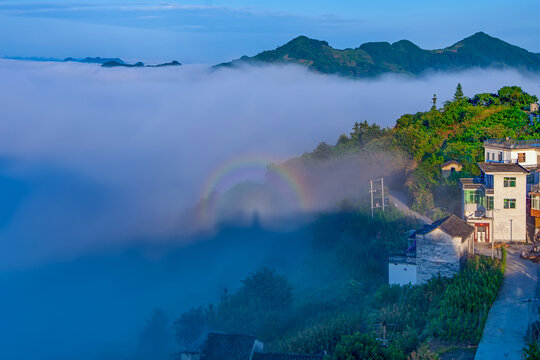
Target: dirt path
{"type": "Point", "coordinates": [398, 200]}
{"type": "Point", "coordinates": [508, 319]}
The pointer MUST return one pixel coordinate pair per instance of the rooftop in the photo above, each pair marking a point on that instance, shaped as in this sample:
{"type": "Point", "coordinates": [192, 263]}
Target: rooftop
{"type": "Point", "coordinates": [449, 162]}
{"type": "Point", "coordinates": [509, 143]}
{"type": "Point", "coordinates": [493, 167]}
{"type": "Point", "coordinates": [227, 347]}
{"type": "Point", "coordinates": [452, 225]}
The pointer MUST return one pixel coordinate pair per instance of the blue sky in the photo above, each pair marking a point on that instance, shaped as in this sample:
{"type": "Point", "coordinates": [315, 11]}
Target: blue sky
{"type": "Point", "coordinates": [210, 31]}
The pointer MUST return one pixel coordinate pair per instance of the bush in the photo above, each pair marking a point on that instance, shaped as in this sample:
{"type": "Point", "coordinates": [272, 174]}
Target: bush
{"type": "Point", "coordinates": [359, 346]}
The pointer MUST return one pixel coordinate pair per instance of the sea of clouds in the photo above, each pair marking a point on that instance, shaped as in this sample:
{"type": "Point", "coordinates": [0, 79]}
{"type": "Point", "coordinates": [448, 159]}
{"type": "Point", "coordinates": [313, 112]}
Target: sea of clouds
{"type": "Point", "coordinates": [94, 158]}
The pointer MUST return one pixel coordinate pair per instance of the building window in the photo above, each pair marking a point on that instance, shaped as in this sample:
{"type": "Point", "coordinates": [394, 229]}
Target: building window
{"type": "Point", "coordinates": [509, 182]}
{"type": "Point", "coordinates": [500, 156]}
{"type": "Point", "coordinates": [509, 203]}
{"type": "Point", "coordinates": [474, 197]}
{"type": "Point", "coordinates": [489, 202]}
{"type": "Point", "coordinates": [489, 181]}
{"type": "Point", "coordinates": [530, 179]}
{"type": "Point", "coordinates": [535, 202]}
{"type": "Point", "coordinates": [487, 156]}
{"type": "Point", "coordinates": [521, 157]}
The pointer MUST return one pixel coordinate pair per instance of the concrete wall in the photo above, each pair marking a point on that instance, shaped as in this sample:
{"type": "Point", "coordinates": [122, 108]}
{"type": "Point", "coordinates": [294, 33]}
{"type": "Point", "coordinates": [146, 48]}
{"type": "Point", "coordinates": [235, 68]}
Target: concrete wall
{"type": "Point", "coordinates": [438, 253]}
{"type": "Point", "coordinates": [401, 273]}
{"type": "Point", "coordinates": [502, 218]}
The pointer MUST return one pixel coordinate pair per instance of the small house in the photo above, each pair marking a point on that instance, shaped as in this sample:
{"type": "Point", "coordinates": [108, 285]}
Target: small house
{"type": "Point", "coordinates": [442, 248]}
{"type": "Point", "coordinates": [450, 167]}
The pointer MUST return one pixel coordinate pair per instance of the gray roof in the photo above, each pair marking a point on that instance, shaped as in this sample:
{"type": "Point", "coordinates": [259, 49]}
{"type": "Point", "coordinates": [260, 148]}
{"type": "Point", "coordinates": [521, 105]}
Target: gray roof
{"type": "Point", "coordinates": [493, 167]}
{"type": "Point", "coordinates": [275, 356]}
{"type": "Point", "coordinates": [452, 225]}
{"type": "Point", "coordinates": [227, 347]}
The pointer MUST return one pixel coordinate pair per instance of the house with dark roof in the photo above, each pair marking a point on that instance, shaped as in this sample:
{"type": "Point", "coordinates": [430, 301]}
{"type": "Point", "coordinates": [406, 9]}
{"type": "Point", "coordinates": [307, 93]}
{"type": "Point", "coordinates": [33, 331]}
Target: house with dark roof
{"type": "Point", "coordinates": [223, 346]}
{"type": "Point", "coordinates": [442, 248]}
{"type": "Point", "coordinates": [495, 202]}
{"type": "Point", "coordinates": [439, 248]}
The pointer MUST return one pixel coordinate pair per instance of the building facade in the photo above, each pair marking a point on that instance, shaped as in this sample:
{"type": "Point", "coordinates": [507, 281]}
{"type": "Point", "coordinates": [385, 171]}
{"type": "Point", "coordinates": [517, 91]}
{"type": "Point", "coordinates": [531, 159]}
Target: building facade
{"type": "Point", "coordinates": [495, 203]}
{"type": "Point", "coordinates": [442, 248]}
{"type": "Point", "coordinates": [437, 249]}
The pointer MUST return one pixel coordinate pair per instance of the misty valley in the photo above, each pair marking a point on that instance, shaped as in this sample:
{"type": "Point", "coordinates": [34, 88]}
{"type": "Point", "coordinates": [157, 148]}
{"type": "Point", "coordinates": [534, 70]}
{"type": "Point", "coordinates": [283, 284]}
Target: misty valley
{"type": "Point", "coordinates": [265, 212]}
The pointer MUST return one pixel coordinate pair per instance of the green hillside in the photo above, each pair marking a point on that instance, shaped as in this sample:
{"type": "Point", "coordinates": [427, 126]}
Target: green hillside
{"type": "Point", "coordinates": [404, 57]}
{"type": "Point", "coordinates": [428, 139]}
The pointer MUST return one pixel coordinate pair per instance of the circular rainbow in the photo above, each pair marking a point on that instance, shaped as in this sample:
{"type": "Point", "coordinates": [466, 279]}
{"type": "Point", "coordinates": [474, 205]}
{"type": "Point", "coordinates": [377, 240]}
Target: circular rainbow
{"type": "Point", "coordinates": [241, 169]}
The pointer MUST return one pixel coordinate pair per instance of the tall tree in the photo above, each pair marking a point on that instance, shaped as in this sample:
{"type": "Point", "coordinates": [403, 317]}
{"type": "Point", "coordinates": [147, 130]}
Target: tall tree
{"type": "Point", "coordinates": [458, 95]}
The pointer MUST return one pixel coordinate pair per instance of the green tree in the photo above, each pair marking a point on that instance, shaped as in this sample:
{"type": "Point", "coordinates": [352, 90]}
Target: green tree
{"type": "Point", "coordinates": [515, 96]}
{"type": "Point", "coordinates": [155, 338]}
{"type": "Point", "coordinates": [359, 346]}
{"type": "Point", "coordinates": [192, 324]}
{"type": "Point", "coordinates": [458, 95]}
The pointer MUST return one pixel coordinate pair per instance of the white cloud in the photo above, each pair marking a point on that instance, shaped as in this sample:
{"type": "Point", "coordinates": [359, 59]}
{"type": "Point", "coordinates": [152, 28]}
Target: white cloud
{"type": "Point", "coordinates": [112, 155]}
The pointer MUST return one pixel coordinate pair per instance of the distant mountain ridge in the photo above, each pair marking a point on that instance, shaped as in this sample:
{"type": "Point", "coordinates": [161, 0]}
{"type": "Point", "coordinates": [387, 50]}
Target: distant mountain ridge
{"type": "Point", "coordinates": [94, 60]}
{"type": "Point", "coordinates": [114, 63]}
{"type": "Point", "coordinates": [404, 57]}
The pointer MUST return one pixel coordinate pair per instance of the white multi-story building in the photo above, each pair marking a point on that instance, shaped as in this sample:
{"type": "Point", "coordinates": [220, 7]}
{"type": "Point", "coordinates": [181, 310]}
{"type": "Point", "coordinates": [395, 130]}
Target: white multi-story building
{"type": "Point", "coordinates": [498, 202]}
{"type": "Point", "coordinates": [495, 203]}
{"type": "Point", "coordinates": [523, 152]}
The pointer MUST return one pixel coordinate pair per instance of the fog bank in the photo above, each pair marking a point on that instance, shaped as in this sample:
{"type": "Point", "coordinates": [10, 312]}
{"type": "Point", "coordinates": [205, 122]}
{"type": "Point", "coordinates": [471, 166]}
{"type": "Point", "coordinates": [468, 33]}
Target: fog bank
{"type": "Point", "coordinates": [95, 158]}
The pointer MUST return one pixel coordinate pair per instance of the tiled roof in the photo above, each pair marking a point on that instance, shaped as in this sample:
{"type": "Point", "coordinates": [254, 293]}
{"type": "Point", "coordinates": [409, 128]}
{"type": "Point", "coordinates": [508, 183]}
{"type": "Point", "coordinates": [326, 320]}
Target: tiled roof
{"type": "Point", "coordinates": [491, 167]}
{"type": "Point", "coordinates": [452, 225]}
{"type": "Point", "coordinates": [227, 347]}
{"type": "Point", "coordinates": [275, 356]}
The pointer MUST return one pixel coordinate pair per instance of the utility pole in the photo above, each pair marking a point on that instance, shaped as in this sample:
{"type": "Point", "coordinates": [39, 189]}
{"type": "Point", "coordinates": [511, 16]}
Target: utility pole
{"type": "Point", "coordinates": [384, 341]}
{"type": "Point", "coordinates": [376, 192]}
{"type": "Point", "coordinates": [371, 193]}
{"type": "Point", "coordinates": [382, 189]}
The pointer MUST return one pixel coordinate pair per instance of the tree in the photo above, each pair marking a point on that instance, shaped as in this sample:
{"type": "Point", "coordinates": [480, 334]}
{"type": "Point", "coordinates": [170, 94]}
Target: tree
{"type": "Point", "coordinates": [357, 347]}
{"type": "Point", "coordinates": [322, 151]}
{"type": "Point", "coordinates": [515, 96]}
{"type": "Point", "coordinates": [259, 304]}
{"type": "Point", "coordinates": [434, 102]}
{"type": "Point", "coordinates": [155, 338]}
{"type": "Point", "coordinates": [458, 95]}
{"type": "Point", "coordinates": [191, 326]}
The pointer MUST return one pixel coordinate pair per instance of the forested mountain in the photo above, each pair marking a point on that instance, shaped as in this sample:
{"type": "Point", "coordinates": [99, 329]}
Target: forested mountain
{"type": "Point", "coordinates": [374, 58]}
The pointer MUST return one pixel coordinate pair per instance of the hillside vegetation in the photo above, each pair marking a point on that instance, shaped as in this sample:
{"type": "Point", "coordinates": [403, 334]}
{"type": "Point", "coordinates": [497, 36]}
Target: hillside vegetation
{"type": "Point", "coordinates": [374, 58]}
{"type": "Point", "coordinates": [454, 131]}
{"type": "Point", "coordinates": [338, 300]}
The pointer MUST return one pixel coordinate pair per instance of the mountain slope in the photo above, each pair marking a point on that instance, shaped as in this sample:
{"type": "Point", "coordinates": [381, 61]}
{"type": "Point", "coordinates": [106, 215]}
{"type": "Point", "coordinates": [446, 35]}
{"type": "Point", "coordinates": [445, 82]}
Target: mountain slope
{"type": "Point", "coordinates": [374, 58]}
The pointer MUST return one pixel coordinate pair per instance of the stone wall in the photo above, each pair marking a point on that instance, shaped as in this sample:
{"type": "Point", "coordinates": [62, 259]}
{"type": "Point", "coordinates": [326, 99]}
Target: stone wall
{"type": "Point", "coordinates": [438, 253]}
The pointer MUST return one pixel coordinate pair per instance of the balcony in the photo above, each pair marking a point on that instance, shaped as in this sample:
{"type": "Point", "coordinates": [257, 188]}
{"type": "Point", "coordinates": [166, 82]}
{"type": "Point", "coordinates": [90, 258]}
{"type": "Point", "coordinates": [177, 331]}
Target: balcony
{"type": "Point", "coordinates": [535, 188]}
{"type": "Point", "coordinates": [476, 183]}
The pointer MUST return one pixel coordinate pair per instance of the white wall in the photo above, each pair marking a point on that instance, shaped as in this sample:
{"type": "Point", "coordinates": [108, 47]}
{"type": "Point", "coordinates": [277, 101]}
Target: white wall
{"type": "Point", "coordinates": [437, 253]}
{"type": "Point", "coordinates": [531, 155]}
{"type": "Point", "coordinates": [502, 216]}
{"type": "Point", "coordinates": [401, 274]}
